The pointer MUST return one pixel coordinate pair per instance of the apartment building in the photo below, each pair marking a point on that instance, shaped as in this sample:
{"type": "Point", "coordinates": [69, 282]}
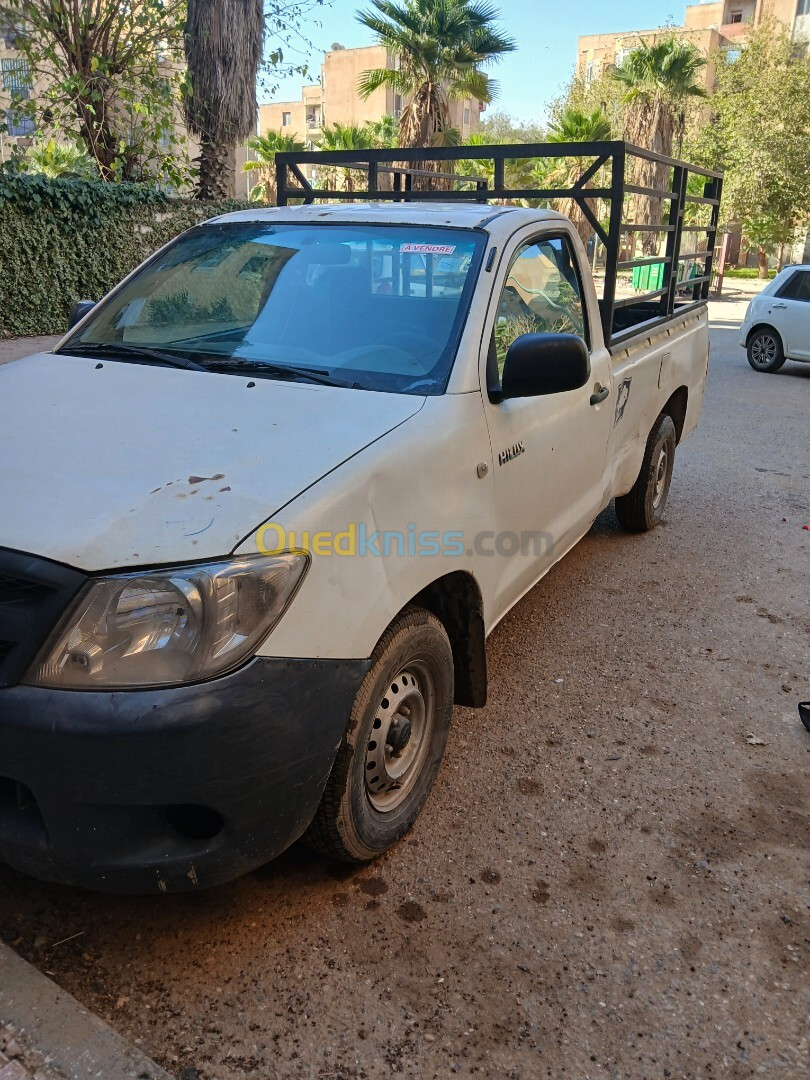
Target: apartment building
{"type": "Point", "coordinates": [334, 98]}
{"type": "Point", "coordinates": [16, 87]}
{"type": "Point", "coordinates": [709, 26]}
{"type": "Point", "coordinates": [719, 24]}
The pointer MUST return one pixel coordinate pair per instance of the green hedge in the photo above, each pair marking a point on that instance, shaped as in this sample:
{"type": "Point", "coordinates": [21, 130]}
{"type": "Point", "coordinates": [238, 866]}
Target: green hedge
{"type": "Point", "coordinates": [67, 240]}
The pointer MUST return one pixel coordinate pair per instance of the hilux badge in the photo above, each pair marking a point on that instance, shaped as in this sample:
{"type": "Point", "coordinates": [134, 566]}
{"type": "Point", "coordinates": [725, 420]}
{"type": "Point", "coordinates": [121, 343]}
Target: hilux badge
{"type": "Point", "coordinates": [511, 452]}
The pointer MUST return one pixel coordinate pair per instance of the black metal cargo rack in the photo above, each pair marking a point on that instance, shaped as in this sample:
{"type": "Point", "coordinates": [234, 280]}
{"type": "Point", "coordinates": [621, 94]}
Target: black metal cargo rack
{"type": "Point", "coordinates": [613, 166]}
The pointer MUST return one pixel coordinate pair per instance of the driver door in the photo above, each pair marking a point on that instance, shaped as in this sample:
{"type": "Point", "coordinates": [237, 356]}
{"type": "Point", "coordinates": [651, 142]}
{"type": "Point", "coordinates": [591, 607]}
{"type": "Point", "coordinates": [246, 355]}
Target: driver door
{"type": "Point", "coordinates": [550, 451]}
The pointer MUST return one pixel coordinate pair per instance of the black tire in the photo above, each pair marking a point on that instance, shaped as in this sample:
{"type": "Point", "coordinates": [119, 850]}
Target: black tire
{"type": "Point", "coordinates": [764, 350]}
{"type": "Point", "coordinates": [643, 506]}
{"type": "Point", "coordinates": [367, 805]}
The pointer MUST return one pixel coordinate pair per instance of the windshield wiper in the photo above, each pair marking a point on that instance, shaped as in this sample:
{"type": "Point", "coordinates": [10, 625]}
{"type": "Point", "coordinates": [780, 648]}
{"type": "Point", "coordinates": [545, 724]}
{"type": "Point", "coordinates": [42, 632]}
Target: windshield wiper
{"type": "Point", "coordinates": [261, 367]}
{"type": "Point", "coordinates": [118, 348]}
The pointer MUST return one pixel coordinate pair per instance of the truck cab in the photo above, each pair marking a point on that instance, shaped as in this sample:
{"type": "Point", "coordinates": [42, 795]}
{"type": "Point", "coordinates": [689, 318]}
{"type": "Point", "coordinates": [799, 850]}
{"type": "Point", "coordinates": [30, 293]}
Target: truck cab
{"type": "Point", "coordinates": [269, 498]}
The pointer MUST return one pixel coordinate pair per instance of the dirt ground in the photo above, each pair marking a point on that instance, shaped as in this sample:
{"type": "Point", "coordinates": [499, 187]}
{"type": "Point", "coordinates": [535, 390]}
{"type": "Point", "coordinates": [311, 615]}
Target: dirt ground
{"type": "Point", "coordinates": [611, 877]}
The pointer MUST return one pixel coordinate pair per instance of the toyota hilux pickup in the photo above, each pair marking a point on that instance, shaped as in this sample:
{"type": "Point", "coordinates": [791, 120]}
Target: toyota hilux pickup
{"type": "Point", "coordinates": [263, 504]}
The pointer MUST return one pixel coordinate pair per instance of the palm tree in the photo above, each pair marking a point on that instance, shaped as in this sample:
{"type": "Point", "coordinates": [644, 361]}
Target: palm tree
{"type": "Point", "coordinates": [576, 125]}
{"type": "Point", "coordinates": [384, 132]}
{"type": "Point", "coordinates": [223, 44]}
{"type": "Point", "coordinates": [344, 137]}
{"type": "Point", "coordinates": [441, 47]}
{"type": "Point", "coordinates": [658, 81]}
{"type": "Point", "coordinates": [265, 147]}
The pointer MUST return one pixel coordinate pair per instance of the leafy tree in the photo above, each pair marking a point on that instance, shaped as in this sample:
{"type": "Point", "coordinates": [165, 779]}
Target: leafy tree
{"type": "Point", "coordinates": [107, 74]}
{"type": "Point", "coordinates": [760, 135]}
{"type": "Point", "coordinates": [441, 47]}
{"type": "Point", "coordinates": [576, 125]}
{"type": "Point", "coordinates": [265, 147]}
{"type": "Point", "coordinates": [500, 127]}
{"type": "Point", "coordinates": [658, 81]}
{"type": "Point", "coordinates": [223, 44]}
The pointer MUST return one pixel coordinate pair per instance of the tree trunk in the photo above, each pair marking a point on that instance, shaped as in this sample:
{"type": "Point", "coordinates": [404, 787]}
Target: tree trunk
{"type": "Point", "coordinates": [97, 135]}
{"type": "Point", "coordinates": [214, 182]}
{"type": "Point", "coordinates": [650, 124]}
{"type": "Point", "coordinates": [421, 119]}
{"type": "Point", "coordinates": [762, 255]}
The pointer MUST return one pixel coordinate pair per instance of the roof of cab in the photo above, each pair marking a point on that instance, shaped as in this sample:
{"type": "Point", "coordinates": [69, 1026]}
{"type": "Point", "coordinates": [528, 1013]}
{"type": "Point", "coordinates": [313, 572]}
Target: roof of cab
{"type": "Point", "coordinates": [459, 215]}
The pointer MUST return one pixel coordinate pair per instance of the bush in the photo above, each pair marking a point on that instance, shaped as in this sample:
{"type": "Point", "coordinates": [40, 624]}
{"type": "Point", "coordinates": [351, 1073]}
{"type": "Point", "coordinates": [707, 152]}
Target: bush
{"type": "Point", "coordinates": [64, 240]}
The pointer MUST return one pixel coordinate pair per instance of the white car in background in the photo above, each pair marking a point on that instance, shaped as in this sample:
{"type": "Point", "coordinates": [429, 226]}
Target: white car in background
{"type": "Point", "coordinates": [776, 326]}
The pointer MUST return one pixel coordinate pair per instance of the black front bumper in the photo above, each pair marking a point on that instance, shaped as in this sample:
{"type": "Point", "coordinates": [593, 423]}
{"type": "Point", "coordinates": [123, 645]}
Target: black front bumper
{"type": "Point", "coordinates": [168, 790]}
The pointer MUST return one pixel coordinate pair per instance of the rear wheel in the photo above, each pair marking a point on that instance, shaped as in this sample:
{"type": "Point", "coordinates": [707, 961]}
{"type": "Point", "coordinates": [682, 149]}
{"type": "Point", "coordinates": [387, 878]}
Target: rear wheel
{"type": "Point", "coordinates": [764, 349]}
{"type": "Point", "coordinates": [643, 506]}
{"type": "Point", "coordinates": [393, 745]}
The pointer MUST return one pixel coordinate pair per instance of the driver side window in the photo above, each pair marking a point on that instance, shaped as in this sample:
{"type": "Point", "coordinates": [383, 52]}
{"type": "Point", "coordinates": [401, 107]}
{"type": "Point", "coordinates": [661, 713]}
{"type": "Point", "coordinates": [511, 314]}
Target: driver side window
{"type": "Point", "coordinates": [541, 295]}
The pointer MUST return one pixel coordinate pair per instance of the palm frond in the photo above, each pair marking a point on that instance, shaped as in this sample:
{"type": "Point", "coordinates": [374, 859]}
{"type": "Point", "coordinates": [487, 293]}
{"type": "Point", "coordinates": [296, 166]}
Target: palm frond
{"type": "Point", "coordinates": [441, 47]}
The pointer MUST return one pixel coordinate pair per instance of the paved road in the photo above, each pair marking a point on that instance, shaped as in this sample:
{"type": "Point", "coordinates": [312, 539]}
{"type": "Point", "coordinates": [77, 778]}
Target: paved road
{"type": "Point", "coordinates": [610, 879]}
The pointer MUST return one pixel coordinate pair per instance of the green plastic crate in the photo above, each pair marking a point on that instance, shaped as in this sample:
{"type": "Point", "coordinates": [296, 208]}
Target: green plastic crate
{"type": "Point", "coordinates": [648, 278]}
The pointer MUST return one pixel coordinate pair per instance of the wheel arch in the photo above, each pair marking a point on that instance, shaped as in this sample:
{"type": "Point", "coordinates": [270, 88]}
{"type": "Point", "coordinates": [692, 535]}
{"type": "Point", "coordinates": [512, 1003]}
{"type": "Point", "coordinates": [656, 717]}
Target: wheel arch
{"type": "Point", "coordinates": [675, 409]}
{"type": "Point", "coordinates": [764, 326]}
{"type": "Point", "coordinates": [455, 599]}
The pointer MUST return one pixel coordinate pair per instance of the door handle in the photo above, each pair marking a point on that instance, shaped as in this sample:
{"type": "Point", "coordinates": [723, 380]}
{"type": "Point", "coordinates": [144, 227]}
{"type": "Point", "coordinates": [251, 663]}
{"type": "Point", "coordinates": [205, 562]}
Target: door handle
{"type": "Point", "coordinates": [599, 395]}
{"type": "Point", "coordinates": [779, 305]}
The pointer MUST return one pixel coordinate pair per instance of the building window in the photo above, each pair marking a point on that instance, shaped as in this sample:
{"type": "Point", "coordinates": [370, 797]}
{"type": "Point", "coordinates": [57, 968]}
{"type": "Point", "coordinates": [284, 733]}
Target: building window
{"type": "Point", "coordinates": [735, 17]}
{"type": "Point", "coordinates": [18, 124]}
{"type": "Point", "coordinates": [621, 55]}
{"type": "Point", "coordinates": [8, 36]}
{"type": "Point", "coordinates": [286, 119]}
{"type": "Point", "coordinates": [466, 116]}
{"type": "Point", "coordinates": [15, 76]}
{"type": "Point", "coordinates": [398, 104]}
{"type": "Point", "coordinates": [803, 8]}
{"type": "Point", "coordinates": [591, 71]}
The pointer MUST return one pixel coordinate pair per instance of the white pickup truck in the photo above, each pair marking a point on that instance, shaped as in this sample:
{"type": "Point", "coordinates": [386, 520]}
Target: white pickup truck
{"type": "Point", "coordinates": [263, 505]}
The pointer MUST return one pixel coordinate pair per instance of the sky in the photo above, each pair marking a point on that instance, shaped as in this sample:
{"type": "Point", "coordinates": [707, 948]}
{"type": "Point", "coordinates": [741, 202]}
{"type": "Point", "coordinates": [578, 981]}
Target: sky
{"type": "Point", "coordinates": [546, 32]}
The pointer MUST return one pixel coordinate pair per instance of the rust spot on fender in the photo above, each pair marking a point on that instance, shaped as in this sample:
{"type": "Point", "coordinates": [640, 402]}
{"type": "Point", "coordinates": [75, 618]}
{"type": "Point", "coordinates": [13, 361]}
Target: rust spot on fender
{"type": "Point", "coordinates": [202, 479]}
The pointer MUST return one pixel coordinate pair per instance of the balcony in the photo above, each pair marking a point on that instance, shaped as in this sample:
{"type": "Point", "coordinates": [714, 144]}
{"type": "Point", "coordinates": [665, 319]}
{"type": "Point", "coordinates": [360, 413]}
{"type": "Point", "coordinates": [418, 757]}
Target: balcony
{"type": "Point", "coordinates": [736, 29]}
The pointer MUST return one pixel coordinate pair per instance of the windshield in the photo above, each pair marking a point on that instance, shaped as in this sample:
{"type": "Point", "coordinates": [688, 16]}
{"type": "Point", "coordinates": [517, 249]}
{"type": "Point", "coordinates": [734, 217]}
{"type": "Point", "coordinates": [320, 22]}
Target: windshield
{"type": "Point", "coordinates": [373, 307]}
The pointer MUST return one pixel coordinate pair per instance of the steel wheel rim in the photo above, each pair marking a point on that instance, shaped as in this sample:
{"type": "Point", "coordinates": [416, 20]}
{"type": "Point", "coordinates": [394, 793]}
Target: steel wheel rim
{"type": "Point", "coordinates": [400, 737]}
{"type": "Point", "coordinates": [660, 477]}
{"type": "Point", "coordinates": [763, 350]}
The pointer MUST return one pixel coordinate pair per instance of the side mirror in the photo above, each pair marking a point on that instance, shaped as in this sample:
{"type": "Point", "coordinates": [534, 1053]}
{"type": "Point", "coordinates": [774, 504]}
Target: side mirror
{"type": "Point", "coordinates": [544, 364]}
{"type": "Point", "coordinates": [78, 312]}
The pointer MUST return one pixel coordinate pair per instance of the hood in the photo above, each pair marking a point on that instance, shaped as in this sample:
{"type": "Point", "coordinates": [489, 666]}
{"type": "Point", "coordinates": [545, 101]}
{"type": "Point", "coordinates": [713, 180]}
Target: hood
{"type": "Point", "coordinates": [113, 464]}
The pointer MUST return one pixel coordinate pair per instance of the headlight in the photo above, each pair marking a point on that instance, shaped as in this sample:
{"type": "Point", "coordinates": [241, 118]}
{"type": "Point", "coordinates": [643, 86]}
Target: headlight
{"type": "Point", "coordinates": [168, 627]}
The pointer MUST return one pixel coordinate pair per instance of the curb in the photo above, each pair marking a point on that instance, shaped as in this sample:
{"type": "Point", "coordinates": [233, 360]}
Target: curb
{"type": "Point", "coordinates": [69, 1037]}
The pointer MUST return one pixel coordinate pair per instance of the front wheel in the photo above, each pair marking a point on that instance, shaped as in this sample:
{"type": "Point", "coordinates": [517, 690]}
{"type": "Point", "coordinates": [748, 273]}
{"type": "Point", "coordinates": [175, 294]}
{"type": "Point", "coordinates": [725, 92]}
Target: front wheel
{"type": "Point", "coordinates": [643, 506]}
{"type": "Point", "coordinates": [393, 745]}
{"type": "Point", "coordinates": [764, 350]}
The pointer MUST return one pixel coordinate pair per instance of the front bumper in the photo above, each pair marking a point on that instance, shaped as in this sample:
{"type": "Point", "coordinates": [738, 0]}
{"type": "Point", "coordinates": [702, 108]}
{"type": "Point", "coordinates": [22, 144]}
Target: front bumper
{"type": "Point", "coordinates": [173, 789]}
